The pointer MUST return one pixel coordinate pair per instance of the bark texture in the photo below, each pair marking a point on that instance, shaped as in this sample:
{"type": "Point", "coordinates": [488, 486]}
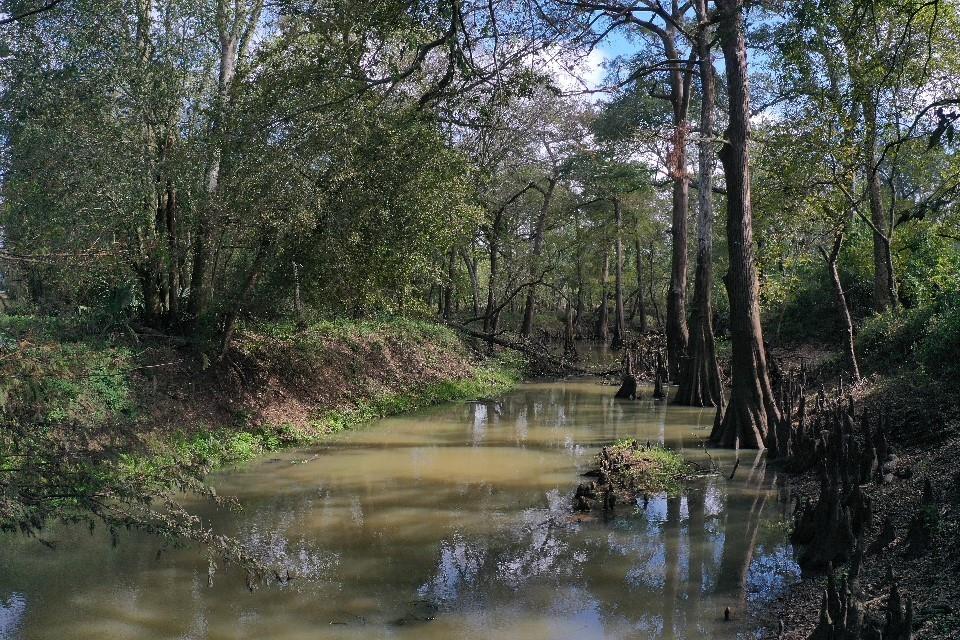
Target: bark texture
{"type": "Point", "coordinates": [842, 306]}
{"type": "Point", "coordinates": [641, 307]}
{"type": "Point", "coordinates": [752, 409]}
{"type": "Point", "coordinates": [619, 321]}
{"type": "Point", "coordinates": [603, 314]}
{"type": "Point", "coordinates": [699, 383]}
{"type": "Point", "coordinates": [526, 328]}
{"type": "Point", "coordinates": [884, 287]}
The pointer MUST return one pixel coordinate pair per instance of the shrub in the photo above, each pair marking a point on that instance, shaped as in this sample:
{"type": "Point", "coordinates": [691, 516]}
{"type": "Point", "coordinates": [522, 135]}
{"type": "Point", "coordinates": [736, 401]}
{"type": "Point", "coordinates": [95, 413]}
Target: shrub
{"type": "Point", "coordinates": [927, 337]}
{"type": "Point", "coordinates": [890, 340]}
{"type": "Point", "coordinates": [940, 348]}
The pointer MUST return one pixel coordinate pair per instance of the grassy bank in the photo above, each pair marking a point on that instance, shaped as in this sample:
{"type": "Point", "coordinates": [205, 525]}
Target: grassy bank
{"type": "Point", "coordinates": [218, 446]}
{"type": "Point", "coordinates": [644, 468]}
{"type": "Point", "coordinates": [107, 428]}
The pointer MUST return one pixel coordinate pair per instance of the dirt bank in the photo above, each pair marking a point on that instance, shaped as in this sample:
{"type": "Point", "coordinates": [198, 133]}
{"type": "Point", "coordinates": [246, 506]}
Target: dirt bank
{"type": "Point", "coordinates": [96, 427]}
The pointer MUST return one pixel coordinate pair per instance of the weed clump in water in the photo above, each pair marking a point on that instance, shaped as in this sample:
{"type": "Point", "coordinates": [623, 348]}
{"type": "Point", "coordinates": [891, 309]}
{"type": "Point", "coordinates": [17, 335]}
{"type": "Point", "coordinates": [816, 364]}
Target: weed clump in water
{"type": "Point", "coordinates": [629, 469]}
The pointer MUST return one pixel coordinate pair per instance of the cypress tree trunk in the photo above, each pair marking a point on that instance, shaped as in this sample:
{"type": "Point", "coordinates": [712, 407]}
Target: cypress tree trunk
{"type": "Point", "coordinates": [641, 305]}
{"type": "Point", "coordinates": [569, 347]}
{"type": "Point", "coordinates": [578, 312]}
{"type": "Point", "coordinates": [752, 405]}
{"type": "Point", "coordinates": [619, 325]}
{"type": "Point", "coordinates": [677, 331]}
{"type": "Point", "coordinates": [603, 322]}
{"type": "Point", "coordinates": [653, 297]}
{"type": "Point", "coordinates": [699, 384]}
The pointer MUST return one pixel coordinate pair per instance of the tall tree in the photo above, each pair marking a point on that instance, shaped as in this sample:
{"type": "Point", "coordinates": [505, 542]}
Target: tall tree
{"type": "Point", "coordinates": [699, 383]}
{"type": "Point", "coordinates": [236, 23]}
{"type": "Point", "coordinates": [665, 72]}
{"type": "Point", "coordinates": [619, 318]}
{"type": "Point", "coordinates": [752, 408]}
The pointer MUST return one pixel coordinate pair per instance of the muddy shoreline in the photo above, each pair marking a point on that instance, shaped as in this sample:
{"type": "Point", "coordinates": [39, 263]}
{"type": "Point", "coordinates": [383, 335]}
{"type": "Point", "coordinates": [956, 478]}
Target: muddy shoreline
{"type": "Point", "coordinates": [925, 440]}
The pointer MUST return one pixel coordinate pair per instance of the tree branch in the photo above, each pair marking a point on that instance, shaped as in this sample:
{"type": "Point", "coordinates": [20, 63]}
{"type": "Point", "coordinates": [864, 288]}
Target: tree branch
{"type": "Point", "coordinates": [26, 14]}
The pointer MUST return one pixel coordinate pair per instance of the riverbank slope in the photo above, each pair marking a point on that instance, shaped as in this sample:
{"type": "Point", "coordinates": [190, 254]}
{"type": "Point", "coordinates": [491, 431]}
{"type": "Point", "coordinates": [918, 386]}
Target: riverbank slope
{"type": "Point", "coordinates": [107, 427]}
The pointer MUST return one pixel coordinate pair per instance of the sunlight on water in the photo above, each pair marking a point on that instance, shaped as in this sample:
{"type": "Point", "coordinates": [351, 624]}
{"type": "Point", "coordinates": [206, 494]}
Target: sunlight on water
{"type": "Point", "coordinates": [451, 523]}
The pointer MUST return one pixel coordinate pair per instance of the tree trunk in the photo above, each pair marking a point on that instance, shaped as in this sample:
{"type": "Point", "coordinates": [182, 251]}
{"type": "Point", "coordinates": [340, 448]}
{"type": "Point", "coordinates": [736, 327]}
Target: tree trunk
{"type": "Point", "coordinates": [449, 291]}
{"type": "Point", "coordinates": [699, 384]}
{"type": "Point", "coordinates": [619, 323]}
{"type": "Point", "coordinates": [174, 260]}
{"type": "Point", "coordinates": [526, 328]}
{"type": "Point", "coordinates": [148, 263]}
{"type": "Point", "coordinates": [842, 307]}
{"type": "Point", "coordinates": [752, 406]}
{"type": "Point", "coordinates": [653, 298]}
{"type": "Point", "coordinates": [229, 324]}
{"type": "Point", "coordinates": [152, 307]}
{"type": "Point", "coordinates": [236, 22]}
{"type": "Point", "coordinates": [578, 313]}
{"type": "Point", "coordinates": [488, 318]}
{"type": "Point", "coordinates": [641, 306]}
{"type": "Point", "coordinates": [677, 330]}
{"type": "Point", "coordinates": [471, 264]}
{"type": "Point", "coordinates": [603, 323]}
{"type": "Point", "coordinates": [884, 286]}
{"type": "Point", "coordinates": [569, 346]}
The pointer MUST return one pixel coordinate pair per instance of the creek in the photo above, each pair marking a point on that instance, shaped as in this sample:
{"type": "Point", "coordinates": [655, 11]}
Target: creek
{"type": "Point", "coordinates": [453, 522]}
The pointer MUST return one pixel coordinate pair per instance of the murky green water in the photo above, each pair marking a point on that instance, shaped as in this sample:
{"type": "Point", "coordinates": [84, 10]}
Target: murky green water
{"type": "Point", "coordinates": [450, 523]}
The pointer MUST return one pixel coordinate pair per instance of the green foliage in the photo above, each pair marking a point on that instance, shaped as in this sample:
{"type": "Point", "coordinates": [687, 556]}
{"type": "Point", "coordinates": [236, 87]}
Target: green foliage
{"type": "Point", "coordinates": [926, 336]}
{"type": "Point", "coordinates": [653, 467]}
{"type": "Point", "coordinates": [73, 446]}
{"type": "Point", "coordinates": [889, 340]}
{"type": "Point", "coordinates": [940, 346]}
{"type": "Point", "coordinates": [80, 383]}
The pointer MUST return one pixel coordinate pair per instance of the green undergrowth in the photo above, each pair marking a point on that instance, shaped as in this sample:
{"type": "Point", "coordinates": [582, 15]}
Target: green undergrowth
{"type": "Point", "coordinates": [648, 468]}
{"type": "Point", "coordinates": [926, 337]}
{"type": "Point", "coordinates": [488, 380]}
{"type": "Point", "coordinates": [82, 383]}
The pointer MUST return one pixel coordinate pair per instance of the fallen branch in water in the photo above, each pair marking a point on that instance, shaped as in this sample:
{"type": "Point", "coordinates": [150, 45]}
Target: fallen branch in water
{"type": "Point", "coordinates": [536, 353]}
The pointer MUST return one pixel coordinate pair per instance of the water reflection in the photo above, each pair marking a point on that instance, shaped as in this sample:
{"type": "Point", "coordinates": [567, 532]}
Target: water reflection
{"type": "Point", "coordinates": [454, 522]}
